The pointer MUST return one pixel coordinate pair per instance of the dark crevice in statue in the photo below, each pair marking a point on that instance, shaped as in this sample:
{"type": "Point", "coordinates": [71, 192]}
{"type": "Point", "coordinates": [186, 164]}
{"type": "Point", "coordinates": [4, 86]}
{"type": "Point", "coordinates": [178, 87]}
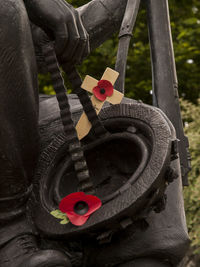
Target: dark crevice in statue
{"type": "Point", "coordinates": [75, 32]}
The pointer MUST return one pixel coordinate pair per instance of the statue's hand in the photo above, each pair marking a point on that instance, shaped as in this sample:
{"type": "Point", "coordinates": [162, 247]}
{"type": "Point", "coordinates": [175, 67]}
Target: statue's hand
{"type": "Point", "coordinates": [62, 23]}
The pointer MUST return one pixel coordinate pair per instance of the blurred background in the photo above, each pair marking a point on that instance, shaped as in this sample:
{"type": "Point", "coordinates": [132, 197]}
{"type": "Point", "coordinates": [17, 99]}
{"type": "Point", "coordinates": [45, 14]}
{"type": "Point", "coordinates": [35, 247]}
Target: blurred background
{"type": "Point", "coordinates": [185, 25]}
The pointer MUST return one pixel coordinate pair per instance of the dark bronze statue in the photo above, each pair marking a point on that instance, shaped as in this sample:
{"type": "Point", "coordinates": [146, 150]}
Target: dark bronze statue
{"type": "Point", "coordinates": [131, 152]}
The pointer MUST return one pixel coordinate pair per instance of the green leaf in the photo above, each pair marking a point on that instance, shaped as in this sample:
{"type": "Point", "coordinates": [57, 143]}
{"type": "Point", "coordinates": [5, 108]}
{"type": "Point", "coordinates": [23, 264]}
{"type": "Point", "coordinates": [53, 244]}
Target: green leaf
{"type": "Point", "coordinates": [64, 221]}
{"type": "Point", "coordinates": [58, 214]}
{"type": "Point", "coordinates": [190, 21]}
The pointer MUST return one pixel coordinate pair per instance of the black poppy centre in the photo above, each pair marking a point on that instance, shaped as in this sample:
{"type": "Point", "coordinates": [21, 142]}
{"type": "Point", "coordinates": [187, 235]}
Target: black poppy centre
{"type": "Point", "coordinates": [102, 91]}
{"type": "Point", "coordinates": [81, 208]}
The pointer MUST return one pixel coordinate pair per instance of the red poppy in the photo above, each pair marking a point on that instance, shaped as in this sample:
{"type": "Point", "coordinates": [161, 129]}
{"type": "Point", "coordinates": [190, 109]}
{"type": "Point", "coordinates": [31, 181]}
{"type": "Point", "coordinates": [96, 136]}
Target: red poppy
{"type": "Point", "coordinates": [103, 89]}
{"type": "Point", "coordinates": [79, 206]}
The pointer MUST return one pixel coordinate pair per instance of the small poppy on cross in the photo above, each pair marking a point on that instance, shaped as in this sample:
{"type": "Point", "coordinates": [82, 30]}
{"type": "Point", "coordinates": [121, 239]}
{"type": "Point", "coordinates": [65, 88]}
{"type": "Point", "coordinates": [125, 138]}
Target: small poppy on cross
{"type": "Point", "coordinates": [102, 91]}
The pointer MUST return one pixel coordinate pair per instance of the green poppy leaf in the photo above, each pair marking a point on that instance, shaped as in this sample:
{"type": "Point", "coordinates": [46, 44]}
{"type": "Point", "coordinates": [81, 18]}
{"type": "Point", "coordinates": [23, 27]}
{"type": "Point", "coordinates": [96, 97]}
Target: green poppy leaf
{"type": "Point", "coordinates": [58, 214]}
{"type": "Point", "coordinates": [65, 221]}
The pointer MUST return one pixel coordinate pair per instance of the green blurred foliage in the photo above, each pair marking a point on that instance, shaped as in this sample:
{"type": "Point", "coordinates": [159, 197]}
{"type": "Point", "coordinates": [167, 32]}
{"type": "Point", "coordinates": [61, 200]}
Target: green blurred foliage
{"type": "Point", "coordinates": [185, 24]}
{"type": "Point", "coordinates": [191, 119]}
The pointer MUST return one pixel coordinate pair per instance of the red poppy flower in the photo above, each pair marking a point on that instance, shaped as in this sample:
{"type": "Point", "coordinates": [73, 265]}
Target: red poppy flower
{"type": "Point", "coordinates": [103, 89]}
{"type": "Point", "coordinates": [79, 206]}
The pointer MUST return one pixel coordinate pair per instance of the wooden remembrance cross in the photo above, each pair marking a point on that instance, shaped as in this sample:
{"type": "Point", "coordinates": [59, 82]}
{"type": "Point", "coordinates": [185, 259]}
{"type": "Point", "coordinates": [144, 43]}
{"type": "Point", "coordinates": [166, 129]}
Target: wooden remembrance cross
{"type": "Point", "coordinates": [109, 77]}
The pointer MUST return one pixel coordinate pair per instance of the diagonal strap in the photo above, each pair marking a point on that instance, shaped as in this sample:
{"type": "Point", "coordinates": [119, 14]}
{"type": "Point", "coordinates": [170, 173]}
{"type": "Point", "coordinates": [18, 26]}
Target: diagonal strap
{"type": "Point", "coordinates": [96, 123]}
{"type": "Point", "coordinates": [125, 35]}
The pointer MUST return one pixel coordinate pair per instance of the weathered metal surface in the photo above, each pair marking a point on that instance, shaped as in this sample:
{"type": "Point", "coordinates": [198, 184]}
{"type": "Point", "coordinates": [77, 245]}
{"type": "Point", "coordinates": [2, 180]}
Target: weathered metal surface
{"type": "Point", "coordinates": [165, 83]}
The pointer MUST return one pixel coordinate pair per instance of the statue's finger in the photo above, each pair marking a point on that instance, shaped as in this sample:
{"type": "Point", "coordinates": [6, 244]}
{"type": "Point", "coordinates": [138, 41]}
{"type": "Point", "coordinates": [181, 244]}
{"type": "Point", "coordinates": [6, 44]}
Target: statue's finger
{"type": "Point", "coordinates": [86, 52]}
{"type": "Point", "coordinates": [61, 38]}
{"type": "Point", "coordinates": [73, 40]}
{"type": "Point", "coordinates": [70, 50]}
{"type": "Point", "coordinates": [83, 50]}
{"type": "Point", "coordinates": [78, 55]}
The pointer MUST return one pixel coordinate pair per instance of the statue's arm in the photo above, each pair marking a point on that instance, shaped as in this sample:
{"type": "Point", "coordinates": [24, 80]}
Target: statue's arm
{"type": "Point", "coordinates": [70, 29]}
{"type": "Point", "coordinates": [102, 18]}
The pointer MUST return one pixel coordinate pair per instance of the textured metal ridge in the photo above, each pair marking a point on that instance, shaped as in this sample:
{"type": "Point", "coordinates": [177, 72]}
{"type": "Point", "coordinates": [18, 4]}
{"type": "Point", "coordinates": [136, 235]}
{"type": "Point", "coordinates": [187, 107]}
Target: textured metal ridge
{"type": "Point", "coordinates": [75, 149]}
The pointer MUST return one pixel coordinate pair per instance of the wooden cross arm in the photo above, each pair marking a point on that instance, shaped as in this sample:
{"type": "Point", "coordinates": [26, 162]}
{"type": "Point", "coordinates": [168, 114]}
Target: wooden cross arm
{"type": "Point", "coordinates": [83, 126]}
{"type": "Point", "coordinates": [89, 82]}
{"type": "Point", "coordinates": [110, 75]}
{"type": "Point", "coordinates": [115, 98]}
